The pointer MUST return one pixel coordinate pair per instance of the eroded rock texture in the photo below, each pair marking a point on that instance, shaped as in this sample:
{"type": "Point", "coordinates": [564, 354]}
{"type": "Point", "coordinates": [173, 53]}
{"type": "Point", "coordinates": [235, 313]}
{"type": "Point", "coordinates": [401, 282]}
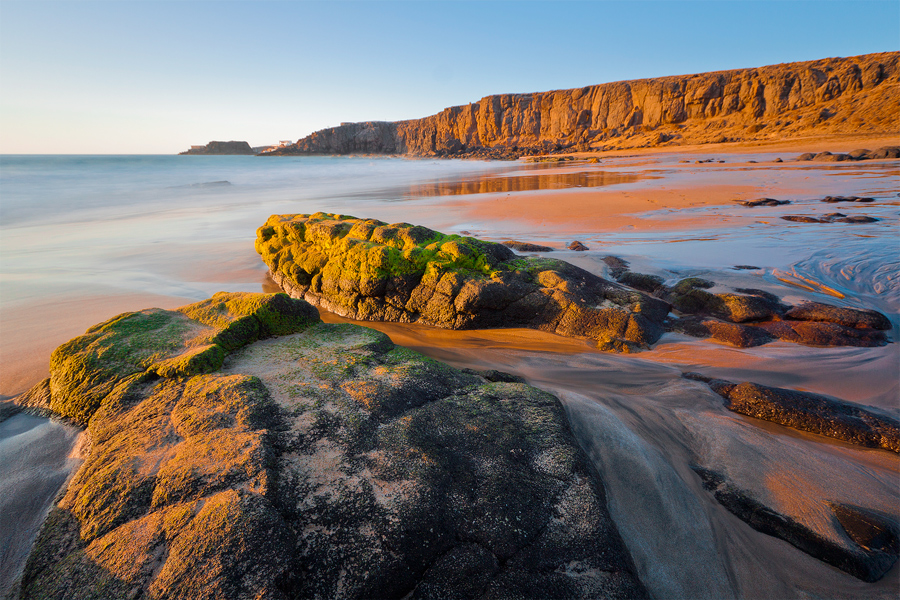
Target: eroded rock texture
{"type": "Point", "coordinates": [754, 317]}
{"type": "Point", "coordinates": [833, 95]}
{"type": "Point", "coordinates": [809, 412]}
{"type": "Point", "coordinates": [368, 270]}
{"type": "Point", "coordinates": [324, 463]}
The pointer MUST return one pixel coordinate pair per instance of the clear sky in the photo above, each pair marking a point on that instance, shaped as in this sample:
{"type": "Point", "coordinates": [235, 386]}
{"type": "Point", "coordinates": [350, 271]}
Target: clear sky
{"type": "Point", "coordinates": [156, 77]}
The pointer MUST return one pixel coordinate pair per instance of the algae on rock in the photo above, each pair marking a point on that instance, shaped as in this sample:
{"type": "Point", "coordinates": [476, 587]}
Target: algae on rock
{"type": "Point", "coordinates": [369, 270]}
{"type": "Point", "coordinates": [326, 462]}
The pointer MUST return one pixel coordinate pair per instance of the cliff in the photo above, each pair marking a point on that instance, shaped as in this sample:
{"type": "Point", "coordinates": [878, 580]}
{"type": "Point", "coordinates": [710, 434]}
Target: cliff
{"type": "Point", "coordinates": [822, 97]}
{"type": "Point", "coordinates": [220, 148]}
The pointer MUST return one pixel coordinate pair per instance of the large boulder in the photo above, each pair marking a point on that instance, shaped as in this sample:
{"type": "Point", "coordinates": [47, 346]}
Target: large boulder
{"type": "Point", "coordinates": [317, 461]}
{"type": "Point", "coordinates": [368, 270]}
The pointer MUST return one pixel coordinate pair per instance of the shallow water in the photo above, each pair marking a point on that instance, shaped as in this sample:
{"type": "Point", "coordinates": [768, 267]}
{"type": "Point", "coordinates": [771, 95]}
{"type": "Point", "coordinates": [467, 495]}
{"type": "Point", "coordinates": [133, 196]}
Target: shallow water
{"type": "Point", "coordinates": [73, 227]}
{"type": "Point", "coordinates": [35, 461]}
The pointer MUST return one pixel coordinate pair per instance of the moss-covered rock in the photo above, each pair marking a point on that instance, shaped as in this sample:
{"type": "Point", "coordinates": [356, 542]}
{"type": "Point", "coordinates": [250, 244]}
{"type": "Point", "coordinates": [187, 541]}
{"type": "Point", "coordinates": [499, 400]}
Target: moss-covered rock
{"type": "Point", "coordinates": [135, 346]}
{"type": "Point", "coordinates": [326, 463]}
{"type": "Point", "coordinates": [369, 270]}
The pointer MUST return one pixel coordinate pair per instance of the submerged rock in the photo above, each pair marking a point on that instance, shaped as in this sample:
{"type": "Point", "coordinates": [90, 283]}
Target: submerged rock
{"type": "Point", "coordinates": [371, 271]}
{"type": "Point", "coordinates": [324, 462]}
{"type": "Point", "coordinates": [833, 418]}
{"type": "Point", "coordinates": [831, 218]}
{"type": "Point", "coordinates": [875, 539]}
{"type": "Point", "coordinates": [764, 202]}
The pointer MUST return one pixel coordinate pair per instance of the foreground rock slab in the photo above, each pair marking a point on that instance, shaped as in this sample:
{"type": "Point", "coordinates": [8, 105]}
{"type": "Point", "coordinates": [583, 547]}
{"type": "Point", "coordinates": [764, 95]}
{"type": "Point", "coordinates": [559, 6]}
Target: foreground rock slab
{"type": "Point", "coordinates": [876, 539]}
{"type": "Point", "coordinates": [305, 460]}
{"type": "Point", "coordinates": [372, 271]}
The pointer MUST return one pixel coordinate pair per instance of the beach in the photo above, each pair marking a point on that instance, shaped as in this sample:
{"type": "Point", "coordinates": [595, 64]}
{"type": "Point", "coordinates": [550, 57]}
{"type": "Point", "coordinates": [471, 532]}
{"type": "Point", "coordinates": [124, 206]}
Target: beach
{"type": "Point", "coordinates": [182, 234]}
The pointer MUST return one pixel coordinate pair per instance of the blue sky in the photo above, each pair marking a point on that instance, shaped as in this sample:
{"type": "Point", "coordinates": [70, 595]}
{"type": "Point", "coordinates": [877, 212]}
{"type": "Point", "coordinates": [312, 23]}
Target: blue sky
{"type": "Point", "coordinates": [156, 77]}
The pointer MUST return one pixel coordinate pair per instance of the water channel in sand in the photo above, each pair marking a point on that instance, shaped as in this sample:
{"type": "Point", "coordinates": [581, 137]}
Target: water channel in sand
{"type": "Point", "coordinates": [641, 423]}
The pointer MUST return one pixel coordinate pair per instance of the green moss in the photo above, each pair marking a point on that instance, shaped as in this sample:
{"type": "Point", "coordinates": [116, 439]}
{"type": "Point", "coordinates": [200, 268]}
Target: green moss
{"type": "Point", "coordinates": [242, 318]}
{"type": "Point", "coordinates": [365, 248]}
{"type": "Point", "coordinates": [202, 359]}
{"type": "Point", "coordinates": [691, 283]}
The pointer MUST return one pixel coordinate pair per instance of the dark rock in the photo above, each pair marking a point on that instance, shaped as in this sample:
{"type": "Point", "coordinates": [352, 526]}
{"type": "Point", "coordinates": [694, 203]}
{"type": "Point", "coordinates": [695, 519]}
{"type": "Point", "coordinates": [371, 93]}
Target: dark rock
{"type": "Point", "coordinates": [849, 317]}
{"type": "Point", "coordinates": [765, 202]}
{"type": "Point", "coordinates": [802, 219]}
{"type": "Point", "coordinates": [815, 333]}
{"type": "Point", "coordinates": [886, 152]}
{"type": "Point", "coordinates": [860, 154]}
{"type": "Point", "coordinates": [806, 156]}
{"type": "Point", "coordinates": [857, 219]}
{"type": "Point", "coordinates": [745, 268]}
{"type": "Point", "coordinates": [577, 246]}
{"type": "Point", "coordinates": [734, 334]}
{"type": "Point", "coordinates": [833, 418]}
{"type": "Point", "coordinates": [368, 270]}
{"type": "Point", "coordinates": [495, 376]}
{"type": "Point", "coordinates": [652, 284]}
{"type": "Point", "coordinates": [526, 247]}
{"type": "Point", "coordinates": [835, 199]}
{"type": "Point", "coordinates": [616, 265]}
{"type": "Point", "coordinates": [327, 463]}
{"type": "Point", "coordinates": [777, 160]}
{"type": "Point", "coordinates": [866, 562]}
{"type": "Point", "coordinates": [829, 157]}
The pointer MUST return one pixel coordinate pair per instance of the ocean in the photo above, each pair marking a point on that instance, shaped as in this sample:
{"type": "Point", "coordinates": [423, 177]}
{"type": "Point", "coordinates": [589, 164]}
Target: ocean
{"type": "Point", "coordinates": [83, 238]}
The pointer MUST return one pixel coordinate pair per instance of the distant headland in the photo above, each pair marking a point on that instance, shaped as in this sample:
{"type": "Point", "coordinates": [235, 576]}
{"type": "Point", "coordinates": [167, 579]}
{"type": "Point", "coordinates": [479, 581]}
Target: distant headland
{"type": "Point", "coordinates": [231, 147]}
{"type": "Point", "coordinates": [831, 96]}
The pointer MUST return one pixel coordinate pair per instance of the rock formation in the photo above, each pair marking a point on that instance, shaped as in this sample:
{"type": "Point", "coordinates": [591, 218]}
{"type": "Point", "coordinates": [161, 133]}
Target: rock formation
{"type": "Point", "coordinates": [753, 317]}
{"type": "Point", "coordinates": [220, 148]}
{"type": "Point", "coordinates": [241, 449]}
{"type": "Point", "coordinates": [371, 271]}
{"type": "Point", "coordinates": [829, 96]}
{"type": "Point", "coordinates": [832, 418]}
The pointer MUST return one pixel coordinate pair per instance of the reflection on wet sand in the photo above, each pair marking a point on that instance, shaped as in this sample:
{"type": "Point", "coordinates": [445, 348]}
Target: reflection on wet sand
{"type": "Point", "coordinates": [508, 183]}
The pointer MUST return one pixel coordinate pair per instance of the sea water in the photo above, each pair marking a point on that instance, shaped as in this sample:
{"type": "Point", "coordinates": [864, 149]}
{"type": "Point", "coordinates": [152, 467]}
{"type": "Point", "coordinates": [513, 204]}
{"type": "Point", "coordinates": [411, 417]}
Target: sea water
{"type": "Point", "coordinates": [183, 228]}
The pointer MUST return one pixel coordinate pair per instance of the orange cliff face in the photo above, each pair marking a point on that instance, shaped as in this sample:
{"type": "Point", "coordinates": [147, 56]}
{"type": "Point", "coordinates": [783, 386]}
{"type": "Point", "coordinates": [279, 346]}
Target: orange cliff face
{"type": "Point", "coordinates": [856, 95]}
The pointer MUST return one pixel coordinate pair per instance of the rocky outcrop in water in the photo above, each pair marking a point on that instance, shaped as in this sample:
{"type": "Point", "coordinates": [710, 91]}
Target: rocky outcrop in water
{"type": "Point", "coordinates": [242, 449]}
{"type": "Point", "coordinates": [753, 317]}
{"type": "Point", "coordinates": [837, 419]}
{"type": "Point", "coordinates": [861, 154]}
{"type": "Point", "coordinates": [371, 271]}
{"type": "Point", "coordinates": [828, 96]}
{"type": "Point", "coordinates": [221, 148]}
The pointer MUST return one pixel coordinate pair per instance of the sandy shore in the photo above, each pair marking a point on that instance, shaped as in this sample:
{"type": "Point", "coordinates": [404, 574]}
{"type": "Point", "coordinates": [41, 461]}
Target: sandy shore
{"type": "Point", "coordinates": [672, 180]}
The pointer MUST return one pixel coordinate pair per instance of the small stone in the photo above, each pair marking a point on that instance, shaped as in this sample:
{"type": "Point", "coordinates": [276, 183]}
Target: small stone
{"type": "Point", "coordinates": [577, 246]}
